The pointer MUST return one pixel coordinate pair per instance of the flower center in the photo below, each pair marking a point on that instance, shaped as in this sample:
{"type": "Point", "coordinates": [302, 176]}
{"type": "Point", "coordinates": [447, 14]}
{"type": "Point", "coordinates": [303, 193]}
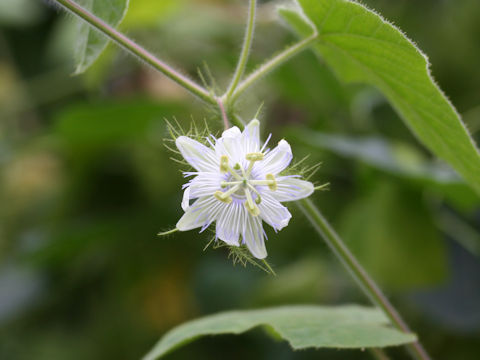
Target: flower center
{"type": "Point", "coordinates": [241, 185]}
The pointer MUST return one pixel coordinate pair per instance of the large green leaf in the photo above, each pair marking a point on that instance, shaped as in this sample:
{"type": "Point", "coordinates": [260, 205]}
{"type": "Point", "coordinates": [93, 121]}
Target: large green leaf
{"type": "Point", "coordinates": [353, 327]}
{"type": "Point", "coordinates": [360, 46]}
{"type": "Point", "coordinates": [90, 42]}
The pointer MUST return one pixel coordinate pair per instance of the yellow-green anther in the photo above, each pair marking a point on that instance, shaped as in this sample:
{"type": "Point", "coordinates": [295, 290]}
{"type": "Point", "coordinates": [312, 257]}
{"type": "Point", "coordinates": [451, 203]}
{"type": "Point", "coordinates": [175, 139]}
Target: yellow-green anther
{"type": "Point", "coordinates": [272, 185]}
{"type": "Point", "coordinates": [250, 205]}
{"type": "Point", "coordinates": [237, 166]}
{"type": "Point", "coordinates": [224, 164]}
{"type": "Point", "coordinates": [258, 199]}
{"type": "Point", "coordinates": [256, 156]}
{"type": "Point", "coordinates": [252, 209]}
{"type": "Point", "coordinates": [220, 196]}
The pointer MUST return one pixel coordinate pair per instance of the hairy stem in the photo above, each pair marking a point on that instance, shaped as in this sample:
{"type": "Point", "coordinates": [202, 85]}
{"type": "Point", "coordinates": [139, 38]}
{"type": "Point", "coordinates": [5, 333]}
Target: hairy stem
{"type": "Point", "coordinates": [226, 123]}
{"type": "Point", "coordinates": [366, 283]}
{"type": "Point", "coordinates": [136, 50]}
{"type": "Point", "coordinates": [242, 61]}
{"type": "Point", "coordinates": [273, 63]}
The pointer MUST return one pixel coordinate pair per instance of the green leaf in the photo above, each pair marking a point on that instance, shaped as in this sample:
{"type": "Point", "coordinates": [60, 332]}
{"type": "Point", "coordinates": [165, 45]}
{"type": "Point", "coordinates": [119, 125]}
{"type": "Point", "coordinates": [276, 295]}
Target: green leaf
{"type": "Point", "coordinates": [360, 46]}
{"type": "Point", "coordinates": [393, 157]}
{"type": "Point", "coordinates": [90, 42]}
{"type": "Point", "coordinates": [352, 327]}
{"type": "Point", "coordinates": [20, 12]}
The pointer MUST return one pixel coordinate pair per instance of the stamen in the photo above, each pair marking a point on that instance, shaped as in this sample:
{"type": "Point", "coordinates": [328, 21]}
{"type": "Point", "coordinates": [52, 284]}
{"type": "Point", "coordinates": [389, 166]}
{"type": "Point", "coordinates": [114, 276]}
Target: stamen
{"type": "Point", "coordinates": [224, 184]}
{"type": "Point", "coordinates": [252, 157]}
{"type": "Point", "coordinates": [256, 156]}
{"type": "Point", "coordinates": [273, 183]}
{"type": "Point", "coordinates": [225, 196]}
{"type": "Point", "coordinates": [250, 205]}
{"type": "Point", "coordinates": [258, 199]}
{"type": "Point", "coordinates": [224, 164]}
{"type": "Point", "coordinates": [219, 196]}
{"type": "Point", "coordinates": [270, 181]}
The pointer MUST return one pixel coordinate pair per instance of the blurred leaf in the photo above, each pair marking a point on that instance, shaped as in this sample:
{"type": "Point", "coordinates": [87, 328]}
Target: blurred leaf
{"type": "Point", "coordinates": [303, 281]}
{"type": "Point", "coordinates": [19, 12]}
{"type": "Point", "coordinates": [92, 126]}
{"type": "Point", "coordinates": [142, 13]}
{"type": "Point", "coordinates": [393, 157]}
{"type": "Point", "coordinates": [90, 42]}
{"type": "Point", "coordinates": [393, 234]}
{"type": "Point", "coordinates": [396, 158]}
{"type": "Point", "coordinates": [459, 230]}
{"type": "Point", "coordinates": [303, 327]}
{"type": "Point", "coordinates": [362, 47]}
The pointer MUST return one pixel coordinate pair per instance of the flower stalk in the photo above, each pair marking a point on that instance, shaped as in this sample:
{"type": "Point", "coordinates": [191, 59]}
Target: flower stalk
{"type": "Point", "coordinates": [366, 283]}
{"type": "Point", "coordinates": [138, 51]}
{"type": "Point", "coordinates": [270, 65]}
{"type": "Point", "coordinates": [247, 43]}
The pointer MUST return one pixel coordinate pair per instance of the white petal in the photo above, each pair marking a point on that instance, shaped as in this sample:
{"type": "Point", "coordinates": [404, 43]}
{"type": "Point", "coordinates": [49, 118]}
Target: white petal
{"type": "Point", "coordinates": [230, 145]}
{"type": "Point", "coordinates": [251, 137]}
{"type": "Point", "coordinates": [232, 132]}
{"type": "Point", "coordinates": [273, 213]}
{"type": "Point", "coordinates": [277, 159]}
{"type": "Point", "coordinates": [186, 199]}
{"type": "Point", "coordinates": [291, 188]}
{"type": "Point", "coordinates": [198, 155]}
{"type": "Point", "coordinates": [231, 222]}
{"type": "Point", "coordinates": [201, 213]}
{"type": "Point", "coordinates": [254, 237]}
{"type": "Point", "coordinates": [204, 184]}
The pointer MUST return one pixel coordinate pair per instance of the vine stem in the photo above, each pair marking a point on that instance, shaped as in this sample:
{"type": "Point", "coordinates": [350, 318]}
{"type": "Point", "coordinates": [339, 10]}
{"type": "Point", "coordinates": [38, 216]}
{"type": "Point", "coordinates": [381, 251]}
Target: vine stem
{"type": "Point", "coordinates": [138, 51]}
{"type": "Point", "coordinates": [366, 283]}
{"type": "Point", "coordinates": [247, 43]}
{"type": "Point", "coordinates": [271, 64]}
{"type": "Point", "coordinates": [226, 123]}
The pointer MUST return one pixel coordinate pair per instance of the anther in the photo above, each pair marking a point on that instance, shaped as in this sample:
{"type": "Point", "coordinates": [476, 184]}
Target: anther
{"type": "Point", "coordinates": [237, 166]}
{"type": "Point", "coordinates": [252, 208]}
{"type": "Point", "coordinates": [250, 205]}
{"type": "Point", "coordinates": [272, 185]}
{"type": "Point", "coordinates": [221, 197]}
{"type": "Point", "coordinates": [224, 164]}
{"type": "Point", "coordinates": [256, 156]}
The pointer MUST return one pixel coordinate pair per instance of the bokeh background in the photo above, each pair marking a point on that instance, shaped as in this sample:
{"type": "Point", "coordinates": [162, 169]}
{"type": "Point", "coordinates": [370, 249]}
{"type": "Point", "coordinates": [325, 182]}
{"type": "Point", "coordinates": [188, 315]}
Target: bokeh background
{"type": "Point", "coordinates": [86, 184]}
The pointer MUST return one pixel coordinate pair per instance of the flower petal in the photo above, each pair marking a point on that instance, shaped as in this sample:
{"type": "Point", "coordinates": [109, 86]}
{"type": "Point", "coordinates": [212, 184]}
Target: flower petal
{"type": "Point", "coordinates": [251, 137]}
{"type": "Point", "coordinates": [273, 213]}
{"type": "Point", "coordinates": [204, 184]}
{"type": "Point", "coordinates": [198, 155]}
{"type": "Point", "coordinates": [186, 199]}
{"type": "Point", "coordinates": [201, 213]}
{"type": "Point", "coordinates": [229, 145]}
{"type": "Point", "coordinates": [278, 159]}
{"type": "Point", "coordinates": [290, 189]}
{"type": "Point", "coordinates": [231, 222]}
{"type": "Point", "coordinates": [253, 236]}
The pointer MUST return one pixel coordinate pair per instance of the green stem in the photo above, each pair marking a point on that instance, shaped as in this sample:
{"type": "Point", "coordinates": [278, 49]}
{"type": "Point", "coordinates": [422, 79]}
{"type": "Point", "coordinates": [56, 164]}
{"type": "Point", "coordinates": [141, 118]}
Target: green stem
{"type": "Point", "coordinates": [242, 61]}
{"type": "Point", "coordinates": [358, 273]}
{"type": "Point", "coordinates": [136, 50]}
{"type": "Point", "coordinates": [271, 64]}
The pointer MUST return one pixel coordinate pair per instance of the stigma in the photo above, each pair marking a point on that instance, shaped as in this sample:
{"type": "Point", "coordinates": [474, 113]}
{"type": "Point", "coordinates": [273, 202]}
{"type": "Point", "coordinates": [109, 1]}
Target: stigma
{"type": "Point", "coordinates": [241, 185]}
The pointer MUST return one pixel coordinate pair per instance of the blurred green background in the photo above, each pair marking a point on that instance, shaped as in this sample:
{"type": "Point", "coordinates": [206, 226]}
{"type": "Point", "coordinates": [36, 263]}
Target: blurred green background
{"type": "Point", "coordinates": [86, 184]}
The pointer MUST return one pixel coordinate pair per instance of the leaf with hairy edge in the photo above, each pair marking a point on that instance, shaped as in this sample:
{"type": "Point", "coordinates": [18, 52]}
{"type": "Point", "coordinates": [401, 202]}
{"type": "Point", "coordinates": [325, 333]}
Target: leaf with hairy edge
{"type": "Point", "coordinates": [352, 327]}
{"type": "Point", "coordinates": [90, 42]}
{"type": "Point", "coordinates": [360, 46]}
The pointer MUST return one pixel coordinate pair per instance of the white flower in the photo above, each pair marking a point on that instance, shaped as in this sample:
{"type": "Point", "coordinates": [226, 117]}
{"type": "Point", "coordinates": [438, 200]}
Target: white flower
{"type": "Point", "coordinates": [237, 185]}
